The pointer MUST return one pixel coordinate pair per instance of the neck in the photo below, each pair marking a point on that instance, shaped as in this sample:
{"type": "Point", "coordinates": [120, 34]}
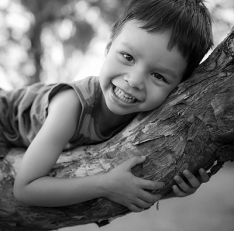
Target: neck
{"type": "Point", "coordinates": [109, 121]}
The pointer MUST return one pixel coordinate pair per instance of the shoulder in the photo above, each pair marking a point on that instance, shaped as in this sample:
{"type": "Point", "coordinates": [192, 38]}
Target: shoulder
{"type": "Point", "coordinates": [87, 86]}
{"type": "Point", "coordinates": [64, 99]}
{"type": "Point", "coordinates": [64, 111]}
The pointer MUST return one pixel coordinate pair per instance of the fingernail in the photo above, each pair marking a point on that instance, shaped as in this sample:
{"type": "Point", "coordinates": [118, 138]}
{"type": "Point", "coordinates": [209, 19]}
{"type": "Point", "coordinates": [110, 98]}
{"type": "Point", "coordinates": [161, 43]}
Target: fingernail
{"type": "Point", "coordinates": [159, 185]}
{"type": "Point", "coordinates": [187, 174]}
{"type": "Point", "coordinates": [177, 179]}
{"type": "Point", "coordinates": [201, 170]}
{"type": "Point", "coordinates": [163, 184]}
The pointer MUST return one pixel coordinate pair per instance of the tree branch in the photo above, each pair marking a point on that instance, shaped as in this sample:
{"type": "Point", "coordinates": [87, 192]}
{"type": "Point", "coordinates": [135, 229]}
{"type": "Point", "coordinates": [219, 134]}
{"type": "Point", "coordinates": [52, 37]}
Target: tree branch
{"type": "Point", "coordinates": [194, 128]}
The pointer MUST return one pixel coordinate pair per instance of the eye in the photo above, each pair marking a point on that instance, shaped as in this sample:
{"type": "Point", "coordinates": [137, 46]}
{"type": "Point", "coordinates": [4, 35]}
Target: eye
{"type": "Point", "coordinates": [159, 77]}
{"type": "Point", "coordinates": [128, 57]}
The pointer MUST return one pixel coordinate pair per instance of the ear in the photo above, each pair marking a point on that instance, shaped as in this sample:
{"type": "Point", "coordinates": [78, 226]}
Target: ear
{"type": "Point", "coordinates": [108, 46]}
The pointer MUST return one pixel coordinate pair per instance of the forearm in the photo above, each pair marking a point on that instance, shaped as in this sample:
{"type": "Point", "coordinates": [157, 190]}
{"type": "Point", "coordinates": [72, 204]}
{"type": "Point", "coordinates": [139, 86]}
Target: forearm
{"type": "Point", "coordinates": [54, 192]}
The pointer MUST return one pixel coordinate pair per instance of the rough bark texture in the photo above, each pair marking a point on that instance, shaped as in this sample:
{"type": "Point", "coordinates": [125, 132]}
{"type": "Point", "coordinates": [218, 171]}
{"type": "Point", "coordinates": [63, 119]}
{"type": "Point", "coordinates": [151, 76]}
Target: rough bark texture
{"type": "Point", "coordinates": [194, 128]}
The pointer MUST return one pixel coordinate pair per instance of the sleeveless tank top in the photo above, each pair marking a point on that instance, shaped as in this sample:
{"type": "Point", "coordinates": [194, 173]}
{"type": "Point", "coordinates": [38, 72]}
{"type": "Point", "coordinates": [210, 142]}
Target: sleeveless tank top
{"type": "Point", "coordinates": [28, 109]}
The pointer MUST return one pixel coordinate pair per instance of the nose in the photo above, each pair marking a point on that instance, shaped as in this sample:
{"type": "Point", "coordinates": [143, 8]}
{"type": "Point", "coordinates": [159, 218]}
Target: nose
{"type": "Point", "coordinates": [135, 81]}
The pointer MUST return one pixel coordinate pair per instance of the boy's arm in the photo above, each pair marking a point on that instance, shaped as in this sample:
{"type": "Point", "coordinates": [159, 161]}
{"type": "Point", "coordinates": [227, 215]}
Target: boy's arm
{"type": "Point", "coordinates": [34, 187]}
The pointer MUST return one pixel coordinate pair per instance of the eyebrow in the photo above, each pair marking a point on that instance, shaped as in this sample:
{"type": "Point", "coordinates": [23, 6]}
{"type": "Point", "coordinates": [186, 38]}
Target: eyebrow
{"type": "Point", "coordinates": [128, 45]}
{"type": "Point", "coordinates": [168, 71]}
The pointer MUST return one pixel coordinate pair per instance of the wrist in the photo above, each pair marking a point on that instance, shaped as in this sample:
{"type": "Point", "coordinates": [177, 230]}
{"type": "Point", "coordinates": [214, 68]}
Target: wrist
{"type": "Point", "coordinates": [103, 185]}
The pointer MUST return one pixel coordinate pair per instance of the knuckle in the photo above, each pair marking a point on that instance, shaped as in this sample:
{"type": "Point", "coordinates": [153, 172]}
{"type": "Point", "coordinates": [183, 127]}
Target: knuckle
{"type": "Point", "coordinates": [182, 195]}
{"type": "Point", "coordinates": [152, 199]}
{"type": "Point", "coordinates": [191, 191]}
{"type": "Point", "coordinates": [152, 185]}
{"type": "Point", "coordinates": [205, 178]}
{"type": "Point", "coordinates": [147, 206]}
{"type": "Point", "coordinates": [136, 209]}
{"type": "Point", "coordinates": [196, 185]}
{"type": "Point", "coordinates": [132, 207]}
{"type": "Point", "coordinates": [158, 197]}
{"type": "Point", "coordinates": [178, 180]}
{"type": "Point", "coordinates": [147, 184]}
{"type": "Point", "coordinates": [135, 158]}
{"type": "Point", "coordinates": [175, 188]}
{"type": "Point", "coordinates": [186, 189]}
{"type": "Point", "coordinates": [189, 176]}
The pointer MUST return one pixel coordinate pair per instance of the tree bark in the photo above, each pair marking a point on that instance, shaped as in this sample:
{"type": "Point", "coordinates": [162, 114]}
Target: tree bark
{"type": "Point", "coordinates": [194, 128]}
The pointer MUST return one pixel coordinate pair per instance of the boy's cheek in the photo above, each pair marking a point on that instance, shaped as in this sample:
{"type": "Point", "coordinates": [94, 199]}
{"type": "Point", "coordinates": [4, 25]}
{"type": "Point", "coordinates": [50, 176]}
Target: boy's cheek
{"type": "Point", "coordinates": [111, 69]}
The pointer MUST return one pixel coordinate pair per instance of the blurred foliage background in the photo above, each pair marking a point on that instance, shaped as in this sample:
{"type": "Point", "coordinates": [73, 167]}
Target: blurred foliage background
{"type": "Point", "coordinates": [63, 40]}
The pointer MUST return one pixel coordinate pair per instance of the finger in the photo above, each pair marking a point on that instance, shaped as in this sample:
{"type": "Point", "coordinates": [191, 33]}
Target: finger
{"type": "Point", "coordinates": [204, 176]}
{"type": "Point", "coordinates": [135, 208]}
{"type": "Point", "coordinates": [149, 197]}
{"type": "Point", "coordinates": [194, 182]}
{"type": "Point", "coordinates": [130, 163]}
{"type": "Point", "coordinates": [151, 185]}
{"type": "Point", "coordinates": [142, 204]}
{"type": "Point", "coordinates": [178, 192]}
{"type": "Point", "coordinates": [180, 182]}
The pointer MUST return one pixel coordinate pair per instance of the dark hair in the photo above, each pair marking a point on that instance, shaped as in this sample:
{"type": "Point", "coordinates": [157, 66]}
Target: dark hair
{"type": "Point", "coordinates": [188, 21]}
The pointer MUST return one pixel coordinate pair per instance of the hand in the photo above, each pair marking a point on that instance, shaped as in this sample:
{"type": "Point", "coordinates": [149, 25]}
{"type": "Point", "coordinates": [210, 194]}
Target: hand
{"type": "Point", "coordinates": [126, 189]}
{"type": "Point", "coordinates": [183, 189]}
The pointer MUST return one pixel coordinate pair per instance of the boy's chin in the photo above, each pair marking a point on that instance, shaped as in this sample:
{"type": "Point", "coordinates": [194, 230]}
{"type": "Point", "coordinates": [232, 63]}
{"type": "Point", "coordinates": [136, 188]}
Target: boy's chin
{"type": "Point", "coordinates": [119, 112]}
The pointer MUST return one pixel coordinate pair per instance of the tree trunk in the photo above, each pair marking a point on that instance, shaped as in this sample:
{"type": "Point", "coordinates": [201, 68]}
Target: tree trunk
{"type": "Point", "coordinates": [194, 128]}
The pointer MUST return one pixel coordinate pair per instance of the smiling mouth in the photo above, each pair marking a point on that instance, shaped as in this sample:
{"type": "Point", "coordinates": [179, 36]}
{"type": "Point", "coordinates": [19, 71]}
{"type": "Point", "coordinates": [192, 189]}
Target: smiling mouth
{"type": "Point", "coordinates": [123, 96]}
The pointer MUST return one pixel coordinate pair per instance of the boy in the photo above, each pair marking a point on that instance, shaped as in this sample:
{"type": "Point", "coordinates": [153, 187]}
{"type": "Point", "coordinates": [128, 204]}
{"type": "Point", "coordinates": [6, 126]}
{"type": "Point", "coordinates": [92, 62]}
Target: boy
{"type": "Point", "coordinates": [154, 46]}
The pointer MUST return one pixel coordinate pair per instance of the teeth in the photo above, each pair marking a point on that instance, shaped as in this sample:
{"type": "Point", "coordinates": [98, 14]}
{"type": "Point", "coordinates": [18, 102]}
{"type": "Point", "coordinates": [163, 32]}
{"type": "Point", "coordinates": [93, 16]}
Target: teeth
{"type": "Point", "coordinates": [124, 96]}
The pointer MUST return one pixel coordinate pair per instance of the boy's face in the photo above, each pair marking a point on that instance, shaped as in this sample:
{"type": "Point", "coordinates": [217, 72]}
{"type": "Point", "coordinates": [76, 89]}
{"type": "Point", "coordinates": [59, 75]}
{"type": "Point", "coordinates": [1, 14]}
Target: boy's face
{"type": "Point", "coordinates": [139, 71]}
